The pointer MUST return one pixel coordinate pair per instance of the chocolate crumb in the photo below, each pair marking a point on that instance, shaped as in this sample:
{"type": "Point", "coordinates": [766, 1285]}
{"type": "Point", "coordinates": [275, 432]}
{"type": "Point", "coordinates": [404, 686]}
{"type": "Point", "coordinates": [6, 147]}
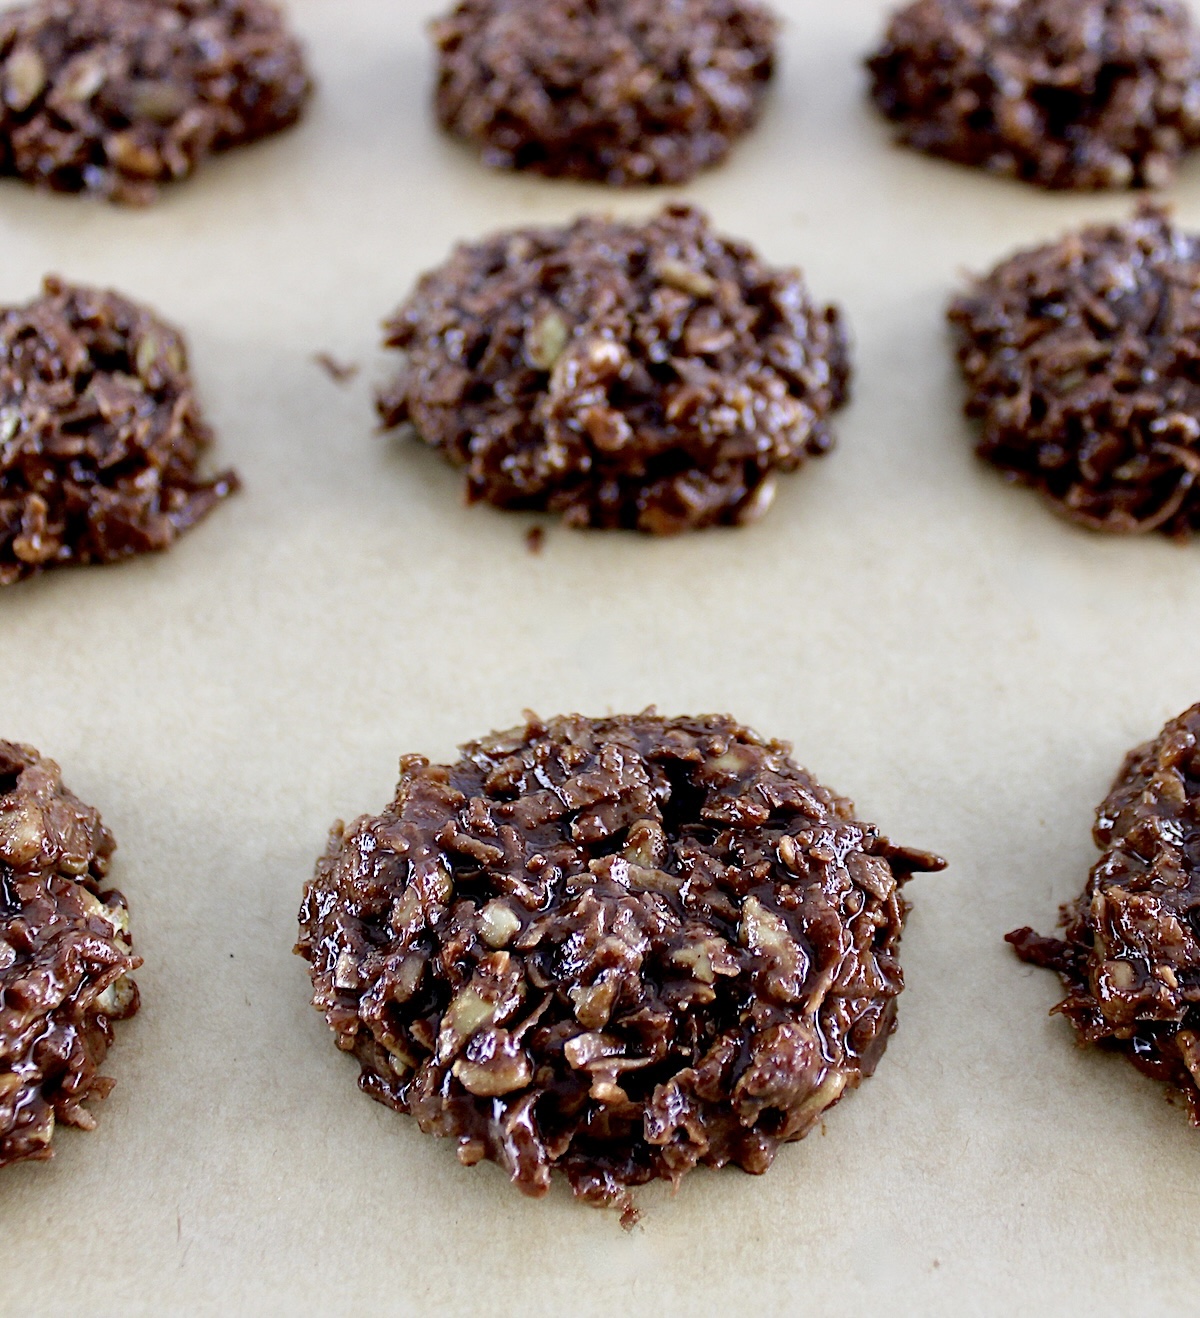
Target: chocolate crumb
{"type": "Point", "coordinates": [1130, 958]}
{"type": "Point", "coordinates": [100, 433]}
{"type": "Point", "coordinates": [116, 97]}
{"type": "Point", "coordinates": [338, 372]}
{"type": "Point", "coordinates": [1062, 93]}
{"type": "Point", "coordinates": [650, 376]}
{"type": "Point", "coordinates": [620, 91]}
{"type": "Point", "coordinates": [618, 948]}
{"type": "Point", "coordinates": [65, 956]}
{"type": "Point", "coordinates": [535, 539]}
{"type": "Point", "coordinates": [1080, 360]}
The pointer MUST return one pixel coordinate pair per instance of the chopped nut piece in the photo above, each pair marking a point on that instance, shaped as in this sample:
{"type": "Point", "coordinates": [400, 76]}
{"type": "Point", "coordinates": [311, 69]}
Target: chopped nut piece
{"type": "Point", "coordinates": [619, 991]}
{"type": "Point", "coordinates": [118, 998]}
{"type": "Point", "coordinates": [160, 101]}
{"type": "Point", "coordinates": [646, 844]}
{"type": "Point", "coordinates": [345, 973]}
{"type": "Point", "coordinates": [594, 1004]}
{"type": "Point", "coordinates": [24, 78]}
{"type": "Point", "coordinates": [81, 79]}
{"type": "Point", "coordinates": [22, 832]}
{"type": "Point", "coordinates": [546, 340]}
{"type": "Point", "coordinates": [685, 278]}
{"type": "Point", "coordinates": [466, 1014]}
{"type": "Point", "coordinates": [495, 1065]}
{"type": "Point", "coordinates": [499, 924]}
{"type": "Point", "coordinates": [133, 157]}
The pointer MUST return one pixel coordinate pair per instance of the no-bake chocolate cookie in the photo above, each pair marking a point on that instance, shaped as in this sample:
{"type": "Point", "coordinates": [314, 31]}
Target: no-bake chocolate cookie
{"type": "Point", "coordinates": [100, 433]}
{"type": "Point", "coordinates": [1130, 955]}
{"type": "Point", "coordinates": [65, 956]}
{"type": "Point", "coordinates": [1063, 93]}
{"type": "Point", "coordinates": [617, 947]}
{"type": "Point", "coordinates": [115, 97]}
{"type": "Point", "coordinates": [652, 376]}
{"type": "Point", "coordinates": [622, 91]}
{"type": "Point", "coordinates": [1081, 364]}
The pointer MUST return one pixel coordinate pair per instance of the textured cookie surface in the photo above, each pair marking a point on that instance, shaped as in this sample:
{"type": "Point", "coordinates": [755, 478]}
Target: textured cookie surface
{"type": "Point", "coordinates": [1081, 365]}
{"type": "Point", "coordinates": [652, 376]}
{"type": "Point", "coordinates": [1130, 954]}
{"type": "Point", "coordinates": [617, 947]}
{"type": "Point", "coordinates": [65, 956]}
{"type": "Point", "coordinates": [100, 433]}
{"type": "Point", "coordinates": [621, 91]}
{"type": "Point", "coordinates": [115, 97]}
{"type": "Point", "coordinates": [1063, 93]}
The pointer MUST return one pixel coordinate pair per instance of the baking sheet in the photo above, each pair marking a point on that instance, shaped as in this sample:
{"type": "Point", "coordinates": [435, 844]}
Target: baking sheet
{"type": "Point", "coordinates": [938, 646]}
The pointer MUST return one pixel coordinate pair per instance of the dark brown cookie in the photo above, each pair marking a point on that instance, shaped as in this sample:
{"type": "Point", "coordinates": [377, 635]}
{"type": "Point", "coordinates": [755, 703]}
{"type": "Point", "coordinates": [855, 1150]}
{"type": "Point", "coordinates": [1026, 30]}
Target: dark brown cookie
{"type": "Point", "coordinates": [1130, 960]}
{"type": "Point", "coordinates": [100, 433]}
{"type": "Point", "coordinates": [1081, 363]}
{"type": "Point", "coordinates": [1063, 93]}
{"type": "Point", "coordinates": [65, 956]}
{"type": "Point", "coordinates": [621, 91]}
{"type": "Point", "coordinates": [115, 97]}
{"type": "Point", "coordinates": [617, 947]}
{"type": "Point", "coordinates": [652, 376]}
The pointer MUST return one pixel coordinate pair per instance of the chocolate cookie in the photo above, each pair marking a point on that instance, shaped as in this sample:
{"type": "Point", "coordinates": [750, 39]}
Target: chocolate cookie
{"type": "Point", "coordinates": [1130, 960]}
{"type": "Point", "coordinates": [65, 956]}
{"type": "Point", "coordinates": [617, 947]}
{"type": "Point", "coordinates": [652, 376]}
{"type": "Point", "coordinates": [114, 97]}
{"type": "Point", "coordinates": [100, 433]}
{"type": "Point", "coordinates": [1081, 362]}
{"type": "Point", "coordinates": [1063, 93]}
{"type": "Point", "coordinates": [622, 91]}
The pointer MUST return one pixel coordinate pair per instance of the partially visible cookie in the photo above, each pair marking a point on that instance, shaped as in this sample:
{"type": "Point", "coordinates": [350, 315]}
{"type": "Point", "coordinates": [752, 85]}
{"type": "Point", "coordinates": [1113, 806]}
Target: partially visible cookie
{"type": "Point", "coordinates": [65, 956]}
{"type": "Point", "coordinates": [101, 435]}
{"type": "Point", "coordinates": [1062, 93]}
{"type": "Point", "coordinates": [1081, 365]}
{"type": "Point", "coordinates": [611, 948]}
{"type": "Point", "coordinates": [115, 97]}
{"type": "Point", "coordinates": [620, 91]}
{"type": "Point", "coordinates": [1130, 955]}
{"type": "Point", "coordinates": [651, 376]}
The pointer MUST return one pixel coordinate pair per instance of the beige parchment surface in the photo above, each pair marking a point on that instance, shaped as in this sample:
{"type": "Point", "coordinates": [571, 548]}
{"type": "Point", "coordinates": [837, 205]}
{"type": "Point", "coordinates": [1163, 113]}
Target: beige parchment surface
{"type": "Point", "coordinates": [937, 646]}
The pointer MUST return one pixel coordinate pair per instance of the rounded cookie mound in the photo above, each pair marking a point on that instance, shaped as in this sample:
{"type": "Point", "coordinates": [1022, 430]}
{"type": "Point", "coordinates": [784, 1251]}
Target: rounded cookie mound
{"type": "Point", "coordinates": [1080, 360]}
{"type": "Point", "coordinates": [65, 956]}
{"type": "Point", "coordinates": [100, 433]}
{"type": "Point", "coordinates": [616, 947]}
{"type": "Point", "coordinates": [1062, 93]}
{"type": "Point", "coordinates": [1130, 958]}
{"type": "Point", "coordinates": [115, 97]}
{"type": "Point", "coordinates": [652, 376]}
{"type": "Point", "coordinates": [622, 91]}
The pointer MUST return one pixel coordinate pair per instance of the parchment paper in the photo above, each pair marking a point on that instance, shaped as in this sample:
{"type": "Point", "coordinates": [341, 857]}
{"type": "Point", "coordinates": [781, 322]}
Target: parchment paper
{"type": "Point", "coordinates": [937, 645]}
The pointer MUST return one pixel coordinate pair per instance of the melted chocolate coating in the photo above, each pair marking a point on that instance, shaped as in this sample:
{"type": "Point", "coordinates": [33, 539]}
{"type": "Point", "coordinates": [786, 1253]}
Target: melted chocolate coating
{"type": "Point", "coordinates": [618, 948]}
{"type": "Point", "coordinates": [1130, 958]}
{"type": "Point", "coordinates": [1062, 93]}
{"type": "Point", "coordinates": [65, 956]}
{"type": "Point", "coordinates": [101, 434]}
{"type": "Point", "coordinates": [646, 376]}
{"type": "Point", "coordinates": [1081, 363]}
{"type": "Point", "coordinates": [115, 97]}
{"type": "Point", "coordinates": [620, 91]}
